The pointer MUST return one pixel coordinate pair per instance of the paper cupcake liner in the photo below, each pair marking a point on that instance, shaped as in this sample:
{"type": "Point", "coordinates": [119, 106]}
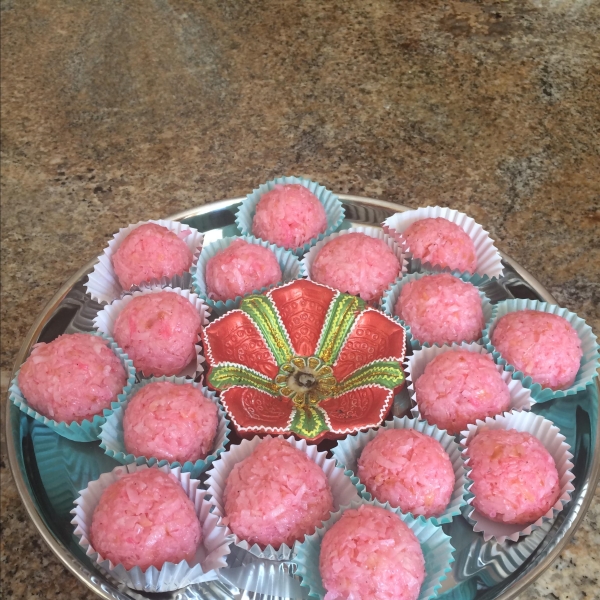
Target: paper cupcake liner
{"type": "Point", "coordinates": [435, 544]}
{"type": "Point", "coordinates": [172, 576]}
{"type": "Point", "coordinates": [348, 451]}
{"type": "Point", "coordinates": [112, 436]}
{"type": "Point", "coordinates": [489, 262]}
{"type": "Point", "coordinates": [590, 362]}
{"type": "Point", "coordinates": [342, 488]}
{"type": "Point", "coordinates": [104, 321]}
{"type": "Point", "coordinates": [290, 265]}
{"type": "Point", "coordinates": [374, 232]}
{"type": "Point", "coordinates": [86, 431]}
{"type": "Point", "coordinates": [391, 295]}
{"type": "Point", "coordinates": [547, 433]}
{"type": "Point", "coordinates": [331, 203]}
{"type": "Point", "coordinates": [520, 397]}
{"type": "Point", "coordinates": [103, 285]}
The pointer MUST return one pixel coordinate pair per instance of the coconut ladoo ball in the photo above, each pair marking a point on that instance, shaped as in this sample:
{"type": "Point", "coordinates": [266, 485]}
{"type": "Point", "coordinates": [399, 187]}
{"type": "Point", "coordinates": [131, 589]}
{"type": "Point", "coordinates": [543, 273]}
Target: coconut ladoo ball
{"type": "Point", "coordinates": [145, 519]}
{"type": "Point", "coordinates": [74, 377]}
{"type": "Point", "coordinates": [150, 252]}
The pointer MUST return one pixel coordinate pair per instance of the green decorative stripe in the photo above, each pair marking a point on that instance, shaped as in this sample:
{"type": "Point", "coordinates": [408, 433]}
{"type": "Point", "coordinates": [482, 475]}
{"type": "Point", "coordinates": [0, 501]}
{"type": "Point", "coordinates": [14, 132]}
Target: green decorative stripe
{"type": "Point", "coordinates": [226, 376]}
{"type": "Point", "coordinates": [341, 318]}
{"type": "Point", "coordinates": [308, 422]}
{"type": "Point", "coordinates": [386, 373]}
{"type": "Point", "coordinates": [261, 310]}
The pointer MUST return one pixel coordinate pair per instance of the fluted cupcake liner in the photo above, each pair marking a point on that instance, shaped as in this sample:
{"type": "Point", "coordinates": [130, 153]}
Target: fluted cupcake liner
{"type": "Point", "coordinates": [554, 442]}
{"type": "Point", "coordinates": [86, 431]}
{"type": "Point", "coordinates": [348, 451]}
{"type": "Point", "coordinates": [105, 319]}
{"type": "Point", "coordinates": [331, 203]}
{"type": "Point", "coordinates": [209, 557]}
{"type": "Point", "coordinates": [290, 266]}
{"type": "Point", "coordinates": [520, 396]}
{"type": "Point", "coordinates": [435, 544]}
{"type": "Point", "coordinates": [489, 262]}
{"type": "Point", "coordinates": [342, 488]}
{"type": "Point", "coordinates": [391, 295]}
{"type": "Point", "coordinates": [590, 361]}
{"type": "Point", "coordinates": [374, 232]}
{"type": "Point", "coordinates": [103, 284]}
{"type": "Point", "coordinates": [112, 436]}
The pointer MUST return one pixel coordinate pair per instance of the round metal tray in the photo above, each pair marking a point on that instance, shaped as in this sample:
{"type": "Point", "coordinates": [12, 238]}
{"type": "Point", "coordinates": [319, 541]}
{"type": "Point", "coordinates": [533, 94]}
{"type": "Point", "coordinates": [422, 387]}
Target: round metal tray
{"type": "Point", "coordinates": [481, 570]}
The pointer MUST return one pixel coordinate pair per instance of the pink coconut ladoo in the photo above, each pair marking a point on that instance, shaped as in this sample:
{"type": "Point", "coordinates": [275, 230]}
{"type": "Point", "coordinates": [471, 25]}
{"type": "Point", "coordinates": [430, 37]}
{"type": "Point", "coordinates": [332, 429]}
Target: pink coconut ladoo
{"type": "Point", "coordinates": [145, 519]}
{"type": "Point", "coordinates": [159, 332]}
{"type": "Point", "coordinates": [240, 269]}
{"type": "Point", "coordinates": [543, 346]}
{"type": "Point", "coordinates": [408, 469]}
{"type": "Point", "coordinates": [441, 243]}
{"type": "Point", "coordinates": [441, 309]}
{"type": "Point", "coordinates": [150, 252]}
{"type": "Point", "coordinates": [458, 387]}
{"type": "Point", "coordinates": [289, 216]}
{"type": "Point", "coordinates": [276, 496]}
{"type": "Point", "coordinates": [171, 422]}
{"type": "Point", "coordinates": [514, 477]}
{"type": "Point", "coordinates": [358, 264]}
{"type": "Point", "coordinates": [74, 377]}
{"type": "Point", "coordinates": [370, 553]}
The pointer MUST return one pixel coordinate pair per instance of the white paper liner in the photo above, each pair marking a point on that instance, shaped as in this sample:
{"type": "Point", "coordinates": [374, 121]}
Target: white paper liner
{"type": "Point", "coordinates": [103, 285]}
{"type": "Point", "coordinates": [113, 443]}
{"type": "Point", "coordinates": [348, 451]}
{"type": "Point", "coordinates": [590, 360]}
{"type": "Point", "coordinates": [391, 295]}
{"type": "Point", "coordinates": [520, 397]}
{"type": "Point", "coordinates": [342, 488]}
{"type": "Point", "coordinates": [547, 433]}
{"type": "Point", "coordinates": [104, 321]}
{"type": "Point", "coordinates": [374, 232]}
{"type": "Point", "coordinates": [489, 262]}
{"type": "Point", "coordinates": [435, 544]}
{"type": "Point", "coordinates": [209, 556]}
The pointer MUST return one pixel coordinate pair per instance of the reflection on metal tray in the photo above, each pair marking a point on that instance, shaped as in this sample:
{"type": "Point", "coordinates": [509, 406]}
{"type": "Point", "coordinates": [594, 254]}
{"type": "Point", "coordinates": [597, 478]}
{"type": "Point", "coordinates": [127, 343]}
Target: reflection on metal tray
{"type": "Point", "coordinates": [49, 470]}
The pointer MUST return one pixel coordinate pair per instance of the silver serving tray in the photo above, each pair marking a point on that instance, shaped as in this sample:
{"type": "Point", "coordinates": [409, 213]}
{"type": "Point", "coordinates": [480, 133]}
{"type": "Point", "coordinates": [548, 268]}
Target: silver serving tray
{"type": "Point", "coordinates": [481, 570]}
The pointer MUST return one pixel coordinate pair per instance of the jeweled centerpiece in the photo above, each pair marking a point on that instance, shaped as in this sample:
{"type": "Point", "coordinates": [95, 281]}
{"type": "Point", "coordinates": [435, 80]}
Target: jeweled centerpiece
{"type": "Point", "coordinates": [305, 359]}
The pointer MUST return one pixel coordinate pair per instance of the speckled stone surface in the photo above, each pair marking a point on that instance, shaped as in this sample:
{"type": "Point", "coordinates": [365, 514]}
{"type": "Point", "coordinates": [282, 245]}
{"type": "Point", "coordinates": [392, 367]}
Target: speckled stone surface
{"type": "Point", "coordinates": [113, 112]}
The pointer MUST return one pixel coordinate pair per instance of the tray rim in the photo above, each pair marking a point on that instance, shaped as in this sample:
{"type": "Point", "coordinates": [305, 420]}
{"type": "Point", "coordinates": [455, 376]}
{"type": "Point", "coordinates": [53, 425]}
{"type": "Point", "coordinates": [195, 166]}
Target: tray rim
{"type": "Point", "coordinates": [77, 569]}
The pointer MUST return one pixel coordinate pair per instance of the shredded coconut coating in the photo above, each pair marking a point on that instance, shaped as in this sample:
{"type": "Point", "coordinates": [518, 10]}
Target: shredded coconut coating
{"type": "Point", "coordinates": [371, 554]}
{"type": "Point", "coordinates": [276, 495]}
{"type": "Point", "coordinates": [357, 264]}
{"type": "Point", "coordinates": [145, 519]}
{"type": "Point", "coordinates": [408, 469]}
{"type": "Point", "coordinates": [149, 252]}
{"type": "Point", "coordinates": [515, 477]}
{"type": "Point", "coordinates": [541, 345]}
{"type": "Point", "coordinates": [458, 387]}
{"type": "Point", "coordinates": [289, 216]}
{"type": "Point", "coordinates": [170, 422]}
{"type": "Point", "coordinates": [72, 378]}
{"type": "Point", "coordinates": [443, 243]}
{"type": "Point", "coordinates": [240, 269]}
{"type": "Point", "coordinates": [159, 332]}
{"type": "Point", "coordinates": [441, 309]}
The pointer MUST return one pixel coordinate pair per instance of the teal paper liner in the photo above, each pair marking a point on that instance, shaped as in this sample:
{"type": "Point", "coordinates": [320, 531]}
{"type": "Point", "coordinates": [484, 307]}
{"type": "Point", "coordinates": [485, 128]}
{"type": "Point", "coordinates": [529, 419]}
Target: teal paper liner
{"type": "Point", "coordinates": [331, 203]}
{"type": "Point", "coordinates": [113, 444]}
{"type": "Point", "coordinates": [588, 369]}
{"type": "Point", "coordinates": [348, 451]}
{"type": "Point", "coordinates": [290, 265]}
{"type": "Point", "coordinates": [86, 431]}
{"type": "Point", "coordinates": [436, 546]}
{"type": "Point", "coordinates": [391, 295]}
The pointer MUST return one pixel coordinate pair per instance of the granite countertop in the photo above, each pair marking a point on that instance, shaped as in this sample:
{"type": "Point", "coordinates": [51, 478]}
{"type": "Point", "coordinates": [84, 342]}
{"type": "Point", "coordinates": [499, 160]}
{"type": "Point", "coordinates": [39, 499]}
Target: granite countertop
{"type": "Point", "coordinates": [115, 112]}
